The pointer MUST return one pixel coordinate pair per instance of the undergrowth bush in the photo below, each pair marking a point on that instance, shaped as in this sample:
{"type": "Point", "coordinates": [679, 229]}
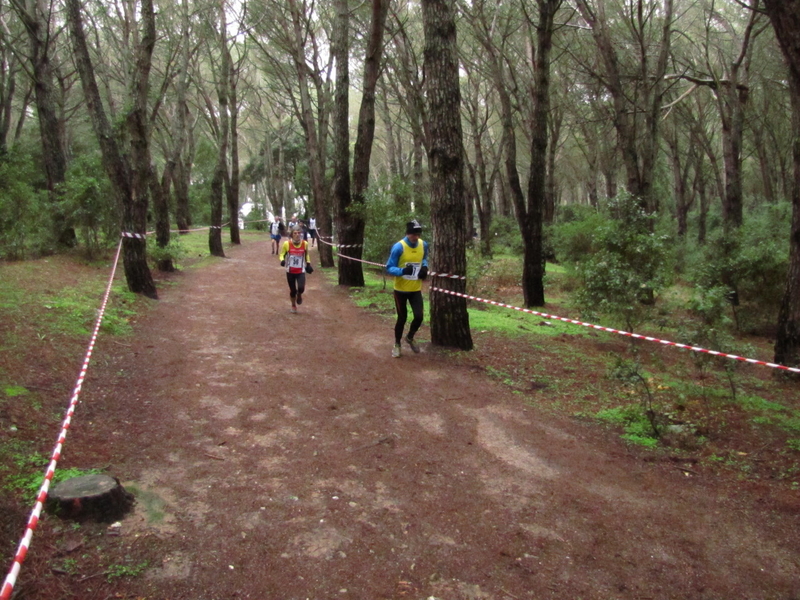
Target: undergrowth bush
{"type": "Point", "coordinates": [749, 267]}
{"type": "Point", "coordinates": [626, 267]}
{"type": "Point", "coordinates": [386, 219]}
{"type": "Point", "coordinates": [573, 238]}
{"type": "Point", "coordinates": [25, 217]}
{"type": "Point", "coordinates": [506, 236]}
{"type": "Point", "coordinates": [174, 251]}
{"type": "Point", "coordinates": [87, 204]}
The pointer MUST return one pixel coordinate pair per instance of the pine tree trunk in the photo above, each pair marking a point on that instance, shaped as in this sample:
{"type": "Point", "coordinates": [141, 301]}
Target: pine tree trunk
{"type": "Point", "coordinates": [220, 179]}
{"type": "Point", "coordinates": [316, 170]}
{"type": "Point", "coordinates": [785, 17]}
{"type": "Point", "coordinates": [350, 273]}
{"type": "Point", "coordinates": [533, 266]}
{"type": "Point", "coordinates": [232, 189]}
{"type": "Point", "coordinates": [51, 129]}
{"type": "Point", "coordinates": [160, 194]}
{"type": "Point", "coordinates": [449, 317]}
{"type": "Point", "coordinates": [128, 181]}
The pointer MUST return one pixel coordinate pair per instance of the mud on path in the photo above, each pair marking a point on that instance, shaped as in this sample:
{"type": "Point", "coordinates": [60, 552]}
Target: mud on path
{"type": "Point", "coordinates": [281, 456]}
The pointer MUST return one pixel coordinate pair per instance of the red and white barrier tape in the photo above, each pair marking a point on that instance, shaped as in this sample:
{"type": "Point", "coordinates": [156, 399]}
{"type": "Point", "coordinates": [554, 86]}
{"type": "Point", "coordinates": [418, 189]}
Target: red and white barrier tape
{"type": "Point", "coordinates": [177, 230]}
{"type": "Point", "coordinates": [138, 236]}
{"type": "Point", "coordinates": [33, 520]}
{"type": "Point", "coordinates": [361, 261]}
{"type": "Point", "coordinates": [340, 245]}
{"type": "Point", "coordinates": [625, 333]}
{"type": "Point", "coordinates": [431, 274]}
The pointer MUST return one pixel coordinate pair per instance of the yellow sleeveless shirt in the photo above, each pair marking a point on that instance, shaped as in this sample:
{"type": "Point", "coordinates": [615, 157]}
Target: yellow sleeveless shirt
{"type": "Point", "coordinates": [413, 256]}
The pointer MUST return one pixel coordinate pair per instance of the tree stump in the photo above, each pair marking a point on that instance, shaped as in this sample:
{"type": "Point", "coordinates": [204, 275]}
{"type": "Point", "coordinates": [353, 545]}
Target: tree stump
{"type": "Point", "coordinates": [96, 497]}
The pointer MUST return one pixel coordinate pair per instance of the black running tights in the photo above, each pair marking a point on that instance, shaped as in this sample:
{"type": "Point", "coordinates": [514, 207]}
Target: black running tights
{"type": "Point", "coordinates": [400, 300]}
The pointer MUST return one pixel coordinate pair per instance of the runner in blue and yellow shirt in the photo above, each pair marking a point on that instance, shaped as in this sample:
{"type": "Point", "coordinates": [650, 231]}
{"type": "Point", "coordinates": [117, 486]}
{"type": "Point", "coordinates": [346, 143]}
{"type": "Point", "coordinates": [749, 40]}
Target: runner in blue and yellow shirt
{"type": "Point", "coordinates": [408, 263]}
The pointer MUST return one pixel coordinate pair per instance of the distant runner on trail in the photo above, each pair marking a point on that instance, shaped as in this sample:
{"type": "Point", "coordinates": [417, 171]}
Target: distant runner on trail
{"type": "Point", "coordinates": [275, 232]}
{"type": "Point", "coordinates": [294, 256]}
{"type": "Point", "coordinates": [408, 262]}
{"type": "Point", "coordinates": [312, 230]}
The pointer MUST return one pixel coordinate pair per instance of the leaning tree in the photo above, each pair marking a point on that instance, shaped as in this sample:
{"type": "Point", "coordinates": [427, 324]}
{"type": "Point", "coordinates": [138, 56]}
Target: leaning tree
{"type": "Point", "coordinates": [129, 171]}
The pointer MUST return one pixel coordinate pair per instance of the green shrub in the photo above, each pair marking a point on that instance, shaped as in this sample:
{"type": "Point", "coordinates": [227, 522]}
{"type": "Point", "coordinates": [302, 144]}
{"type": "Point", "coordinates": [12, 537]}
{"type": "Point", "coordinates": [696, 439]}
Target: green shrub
{"type": "Point", "coordinates": [574, 239]}
{"type": "Point", "coordinates": [506, 236]}
{"type": "Point", "coordinates": [386, 215]}
{"type": "Point", "coordinates": [634, 421]}
{"type": "Point", "coordinates": [626, 267]}
{"type": "Point", "coordinates": [25, 217]}
{"type": "Point", "coordinates": [750, 266]}
{"type": "Point", "coordinates": [87, 203]}
{"type": "Point", "coordinates": [174, 251]}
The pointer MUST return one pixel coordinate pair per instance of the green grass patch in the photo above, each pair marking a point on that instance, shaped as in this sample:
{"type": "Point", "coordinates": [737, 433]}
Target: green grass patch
{"type": "Point", "coordinates": [22, 469]}
{"type": "Point", "coordinates": [12, 391]}
{"type": "Point", "coordinates": [634, 422]}
{"type": "Point", "coordinates": [154, 506]}
{"type": "Point", "coordinates": [128, 569]}
{"type": "Point", "coordinates": [485, 317]}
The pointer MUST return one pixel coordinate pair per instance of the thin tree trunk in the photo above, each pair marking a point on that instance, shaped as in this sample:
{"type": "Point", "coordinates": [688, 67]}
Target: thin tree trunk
{"type": "Point", "coordinates": [313, 151]}
{"type": "Point", "coordinates": [365, 136]}
{"type": "Point", "coordinates": [699, 187]}
{"type": "Point", "coordinates": [232, 187]}
{"type": "Point", "coordinates": [636, 116]}
{"type": "Point", "coordinates": [550, 194]}
{"type": "Point", "coordinates": [51, 128]}
{"type": "Point", "coordinates": [160, 194]}
{"type": "Point", "coordinates": [764, 163]}
{"type": "Point", "coordinates": [7, 98]}
{"type": "Point", "coordinates": [532, 235]}
{"type": "Point", "coordinates": [218, 182]}
{"type": "Point", "coordinates": [179, 177]}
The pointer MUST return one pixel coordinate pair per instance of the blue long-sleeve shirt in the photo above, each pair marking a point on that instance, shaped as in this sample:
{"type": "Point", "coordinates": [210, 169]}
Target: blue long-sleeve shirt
{"type": "Point", "coordinates": [392, 267]}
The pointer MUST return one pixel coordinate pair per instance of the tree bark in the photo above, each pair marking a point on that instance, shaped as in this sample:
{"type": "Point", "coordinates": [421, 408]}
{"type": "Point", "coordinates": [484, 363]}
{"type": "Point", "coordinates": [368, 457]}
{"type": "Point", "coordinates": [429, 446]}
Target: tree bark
{"type": "Point", "coordinates": [97, 497]}
{"type": "Point", "coordinates": [636, 109]}
{"type": "Point", "coordinates": [349, 270]}
{"type": "Point", "coordinates": [352, 230]}
{"type": "Point", "coordinates": [785, 18]}
{"type": "Point", "coordinates": [51, 127]}
{"type": "Point", "coordinates": [313, 150]}
{"type": "Point", "coordinates": [160, 194]}
{"type": "Point", "coordinates": [551, 192]}
{"type": "Point", "coordinates": [449, 317]}
{"type": "Point", "coordinates": [532, 235]}
{"type": "Point", "coordinates": [180, 172]}
{"type": "Point", "coordinates": [127, 178]}
{"type": "Point", "coordinates": [218, 182]}
{"type": "Point", "coordinates": [232, 187]}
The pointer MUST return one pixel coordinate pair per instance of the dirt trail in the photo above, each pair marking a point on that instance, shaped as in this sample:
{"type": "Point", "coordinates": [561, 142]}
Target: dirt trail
{"type": "Point", "coordinates": [280, 456]}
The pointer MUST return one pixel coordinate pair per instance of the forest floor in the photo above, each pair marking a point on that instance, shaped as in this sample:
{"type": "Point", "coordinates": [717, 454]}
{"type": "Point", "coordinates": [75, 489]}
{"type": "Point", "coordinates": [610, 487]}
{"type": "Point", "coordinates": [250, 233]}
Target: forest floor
{"type": "Point", "coordinates": [288, 456]}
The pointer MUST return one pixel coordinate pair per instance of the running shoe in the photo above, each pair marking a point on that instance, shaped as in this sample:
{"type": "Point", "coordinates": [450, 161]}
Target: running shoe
{"type": "Point", "coordinates": [294, 310]}
{"type": "Point", "coordinates": [413, 345]}
{"type": "Point", "coordinates": [396, 351]}
{"type": "Point", "coordinates": [299, 298]}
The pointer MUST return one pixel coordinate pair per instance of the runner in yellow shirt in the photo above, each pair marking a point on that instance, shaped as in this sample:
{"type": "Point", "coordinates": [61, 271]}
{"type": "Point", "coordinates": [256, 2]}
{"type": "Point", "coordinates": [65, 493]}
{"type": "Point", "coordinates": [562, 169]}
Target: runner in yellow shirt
{"type": "Point", "coordinates": [408, 263]}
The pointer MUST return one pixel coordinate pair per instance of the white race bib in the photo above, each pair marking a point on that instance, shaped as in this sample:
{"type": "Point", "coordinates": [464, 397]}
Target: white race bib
{"type": "Point", "coordinates": [414, 273]}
